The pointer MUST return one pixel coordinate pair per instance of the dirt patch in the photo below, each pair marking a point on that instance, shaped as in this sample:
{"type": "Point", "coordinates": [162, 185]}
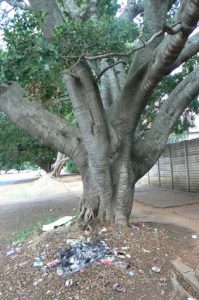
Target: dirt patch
{"type": "Point", "coordinates": [145, 246]}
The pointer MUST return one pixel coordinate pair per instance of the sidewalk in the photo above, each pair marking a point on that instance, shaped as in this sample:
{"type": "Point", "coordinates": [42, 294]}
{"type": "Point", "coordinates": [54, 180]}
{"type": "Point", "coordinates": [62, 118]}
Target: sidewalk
{"type": "Point", "coordinates": [159, 197]}
{"type": "Point", "coordinates": [158, 205]}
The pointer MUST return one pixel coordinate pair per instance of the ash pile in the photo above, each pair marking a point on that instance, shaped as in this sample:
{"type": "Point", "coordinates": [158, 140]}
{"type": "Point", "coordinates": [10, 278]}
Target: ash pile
{"type": "Point", "coordinates": [82, 255]}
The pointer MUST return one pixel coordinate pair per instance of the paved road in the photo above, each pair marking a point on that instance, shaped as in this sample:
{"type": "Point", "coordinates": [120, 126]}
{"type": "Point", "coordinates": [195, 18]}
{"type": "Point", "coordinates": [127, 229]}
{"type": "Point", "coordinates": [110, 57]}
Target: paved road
{"type": "Point", "coordinates": [18, 216]}
{"type": "Point", "coordinates": [17, 178]}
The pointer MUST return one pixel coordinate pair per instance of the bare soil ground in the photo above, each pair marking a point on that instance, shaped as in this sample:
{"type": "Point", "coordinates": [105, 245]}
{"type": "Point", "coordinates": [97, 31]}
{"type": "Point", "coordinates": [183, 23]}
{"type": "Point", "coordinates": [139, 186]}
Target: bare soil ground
{"type": "Point", "coordinates": [146, 245]}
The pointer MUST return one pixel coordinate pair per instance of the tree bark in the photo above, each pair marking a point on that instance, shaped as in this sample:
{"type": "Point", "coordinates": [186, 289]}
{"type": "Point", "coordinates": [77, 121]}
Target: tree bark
{"type": "Point", "coordinates": [59, 164]}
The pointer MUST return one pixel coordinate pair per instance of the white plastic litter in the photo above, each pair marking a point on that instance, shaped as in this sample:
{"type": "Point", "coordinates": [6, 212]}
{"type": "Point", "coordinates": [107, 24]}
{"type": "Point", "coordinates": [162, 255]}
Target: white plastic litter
{"type": "Point", "coordinates": [63, 221]}
{"type": "Point", "coordinates": [155, 269]}
{"type": "Point", "coordinates": [194, 236]}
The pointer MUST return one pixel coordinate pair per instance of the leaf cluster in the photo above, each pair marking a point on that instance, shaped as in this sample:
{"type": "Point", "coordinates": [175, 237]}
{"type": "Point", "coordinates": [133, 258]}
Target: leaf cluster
{"type": "Point", "coordinates": [17, 147]}
{"type": "Point", "coordinates": [160, 95]}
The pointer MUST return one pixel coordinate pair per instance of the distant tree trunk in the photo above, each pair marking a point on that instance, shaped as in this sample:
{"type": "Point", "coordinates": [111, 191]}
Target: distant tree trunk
{"type": "Point", "coordinates": [59, 164]}
{"type": "Point", "coordinates": [43, 164]}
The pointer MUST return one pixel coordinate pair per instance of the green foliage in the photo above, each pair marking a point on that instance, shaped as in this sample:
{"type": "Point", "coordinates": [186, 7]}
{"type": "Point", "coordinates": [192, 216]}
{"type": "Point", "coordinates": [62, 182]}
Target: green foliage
{"type": "Point", "coordinates": [30, 59]}
{"type": "Point", "coordinates": [107, 7]}
{"type": "Point", "coordinates": [38, 64]}
{"type": "Point", "coordinates": [175, 138]}
{"type": "Point", "coordinates": [159, 96]}
{"type": "Point", "coordinates": [93, 38]}
{"type": "Point", "coordinates": [71, 167]}
{"type": "Point", "coordinates": [18, 149]}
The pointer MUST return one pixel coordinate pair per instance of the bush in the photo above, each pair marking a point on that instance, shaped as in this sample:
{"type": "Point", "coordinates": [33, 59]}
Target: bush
{"type": "Point", "coordinates": [71, 167]}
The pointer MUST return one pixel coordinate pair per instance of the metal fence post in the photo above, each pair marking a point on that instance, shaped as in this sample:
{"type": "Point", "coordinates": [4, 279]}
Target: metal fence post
{"type": "Point", "coordinates": [171, 168]}
{"type": "Point", "coordinates": [187, 166]}
{"type": "Point", "coordinates": [159, 175]}
{"type": "Point", "coordinates": [149, 178]}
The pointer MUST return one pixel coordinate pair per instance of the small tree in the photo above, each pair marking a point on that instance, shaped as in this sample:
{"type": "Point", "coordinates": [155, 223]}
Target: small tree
{"type": "Point", "coordinates": [84, 50]}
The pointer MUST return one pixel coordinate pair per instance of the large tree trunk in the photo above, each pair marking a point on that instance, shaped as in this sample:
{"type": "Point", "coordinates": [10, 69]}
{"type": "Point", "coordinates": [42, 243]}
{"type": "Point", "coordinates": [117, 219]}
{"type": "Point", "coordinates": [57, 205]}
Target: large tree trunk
{"type": "Point", "coordinates": [117, 208]}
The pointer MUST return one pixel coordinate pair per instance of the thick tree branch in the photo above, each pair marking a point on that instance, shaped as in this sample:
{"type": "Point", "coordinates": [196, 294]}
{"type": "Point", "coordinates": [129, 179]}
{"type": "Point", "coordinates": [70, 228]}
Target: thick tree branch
{"type": "Point", "coordinates": [93, 10]}
{"type": "Point", "coordinates": [53, 15]}
{"type": "Point", "coordinates": [148, 150]}
{"type": "Point", "coordinates": [107, 68]}
{"type": "Point", "coordinates": [191, 48]}
{"type": "Point", "coordinates": [88, 108]}
{"type": "Point", "coordinates": [111, 82]}
{"type": "Point", "coordinates": [18, 4]}
{"type": "Point", "coordinates": [47, 128]}
{"type": "Point", "coordinates": [145, 75]}
{"type": "Point", "coordinates": [154, 10]}
{"type": "Point", "coordinates": [171, 46]}
{"type": "Point", "coordinates": [74, 11]}
{"type": "Point", "coordinates": [132, 9]}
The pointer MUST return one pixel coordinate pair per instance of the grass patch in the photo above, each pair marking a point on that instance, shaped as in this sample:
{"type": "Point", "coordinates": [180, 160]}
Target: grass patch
{"type": "Point", "coordinates": [31, 230]}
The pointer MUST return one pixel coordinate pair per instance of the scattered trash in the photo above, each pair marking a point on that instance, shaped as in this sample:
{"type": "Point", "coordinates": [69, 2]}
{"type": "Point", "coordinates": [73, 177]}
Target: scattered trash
{"type": "Point", "coordinates": [45, 271]}
{"type": "Point", "coordinates": [191, 298]}
{"type": "Point", "coordinates": [23, 264]}
{"type": "Point", "coordinates": [103, 230]}
{"type": "Point", "coordinates": [155, 269]}
{"type": "Point", "coordinates": [38, 262]}
{"type": "Point", "coordinates": [69, 283]}
{"type": "Point", "coordinates": [118, 287]}
{"type": "Point", "coordinates": [35, 283]}
{"type": "Point", "coordinates": [125, 248]}
{"type": "Point", "coordinates": [107, 262]}
{"type": "Point", "coordinates": [128, 255]}
{"type": "Point", "coordinates": [63, 221]}
{"type": "Point", "coordinates": [82, 270]}
{"type": "Point", "coordinates": [131, 274]}
{"type": "Point", "coordinates": [53, 263]}
{"type": "Point", "coordinates": [120, 254]}
{"type": "Point", "coordinates": [43, 255]}
{"type": "Point", "coordinates": [60, 272]}
{"type": "Point", "coordinates": [49, 292]}
{"type": "Point", "coordinates": [122, 265]}
{"type": "Point", "coordinates": [82, 255]}
{"type": "Point", "coordinates": [11, 252]}
{"type": "Point", "coordinates": [146, 251]}
{"type": "Point", "coordinates": [18, 249]}
{"type": "Point", "coordinates": [137, 226]}
{"type": "Point", "coordinates": [194, 236]}
{"type": "Point", "coordinates": [72, 241]}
